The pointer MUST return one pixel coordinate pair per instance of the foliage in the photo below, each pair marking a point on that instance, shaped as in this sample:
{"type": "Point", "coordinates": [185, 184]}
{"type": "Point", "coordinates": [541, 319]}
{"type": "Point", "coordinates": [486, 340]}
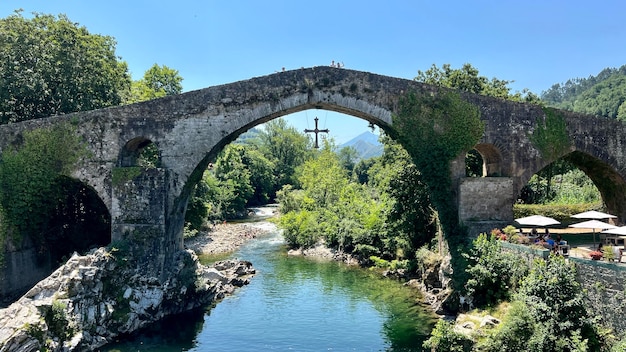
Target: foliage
{"type": "Point", "coordinates": [388, 218]}
{"type": "Point", "coordinates": [560, 212]}
{"type": "Point", "coordinates": [120, 175]}
{"type": "Point", "coordinates": [555, 301]}
{"type": "Point", "coordinates": [30, 186]}
{"type": "Point", "coordinates": [601, 95]}
{"type": "Point", "coordinates": [514, 332]}
{"type": "Point", "coordinates": [285, 148]}
{"type": "Point", "coordinates": [494, 274]}
{"type": "Point", "coordinates": [56, 319]}
{"type": "Point", "coordinates": [348, 157]}
{"type": "Point", "coordinates": [550, 137]}
{"type": "Point", "coordinates": [445, 339]}
{"type": "Point", "coordinates": [157, 82]}
{"type": "Point", "coordinates": [300, 229]}
{"type": "Point", "coordinates": [261, 175]}
{"type": "Point", "coordinates": [233, 182]}
{"type": "Point", "coordinates": [331, 207]}
{"type": "Point", "coordinates": [52, 66]}
{"type": "Point", "coordinates": [473, 164]}
{"type": "Point", "coordinates": [620, 346]}
{"type": "Point", "coordinates": [408, 209]}
{"type": "Point", "coordinates": [560, 183]}
{"type": "Point", "coordinates": [241, 176]}
{"type": "Point", "coordinates": [468, 80]}
{"type": "Point", "coordinates": [434, 130]}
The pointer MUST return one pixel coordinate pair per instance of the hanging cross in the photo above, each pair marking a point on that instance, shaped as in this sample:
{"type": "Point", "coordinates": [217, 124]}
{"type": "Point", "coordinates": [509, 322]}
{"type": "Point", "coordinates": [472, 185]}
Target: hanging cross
{"type": "Point", "coordinates": [316, 131]}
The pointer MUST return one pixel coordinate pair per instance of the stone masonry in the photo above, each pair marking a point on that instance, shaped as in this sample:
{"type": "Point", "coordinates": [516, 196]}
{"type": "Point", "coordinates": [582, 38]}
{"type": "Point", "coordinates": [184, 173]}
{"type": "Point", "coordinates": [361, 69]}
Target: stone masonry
{"type": "Point", "coordinates": [191, 128]}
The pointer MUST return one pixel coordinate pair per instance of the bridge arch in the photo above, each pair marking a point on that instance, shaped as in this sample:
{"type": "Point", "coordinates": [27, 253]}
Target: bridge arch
{"type": "Point", "coordinates": [189, 129]}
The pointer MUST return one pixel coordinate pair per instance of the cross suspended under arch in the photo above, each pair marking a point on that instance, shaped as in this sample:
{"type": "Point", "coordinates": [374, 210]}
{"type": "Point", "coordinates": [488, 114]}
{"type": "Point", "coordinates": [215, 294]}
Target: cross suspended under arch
{"type": "Point", "coordinates": [316, 131]}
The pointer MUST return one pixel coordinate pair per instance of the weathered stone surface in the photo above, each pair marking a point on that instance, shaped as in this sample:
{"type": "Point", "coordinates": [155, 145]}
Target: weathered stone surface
{"type": "Point", "coordinates": [102, 296]}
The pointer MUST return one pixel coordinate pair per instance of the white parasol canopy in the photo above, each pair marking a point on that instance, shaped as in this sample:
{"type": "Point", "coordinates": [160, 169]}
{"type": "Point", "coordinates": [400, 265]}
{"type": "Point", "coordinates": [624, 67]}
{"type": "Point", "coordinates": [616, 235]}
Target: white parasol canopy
{"type": "Point", "coordinates": [621, 231]}
{"type": "Point", "coordinates": [592, 214]}
{"type": "Point", "coordinates": [593, 225]}
{"type": "Point", "coordinates": [537, 220]}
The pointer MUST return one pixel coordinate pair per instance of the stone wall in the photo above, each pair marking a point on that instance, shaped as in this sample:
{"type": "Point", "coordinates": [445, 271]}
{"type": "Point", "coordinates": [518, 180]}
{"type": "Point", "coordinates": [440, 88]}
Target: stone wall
{"type": "Point", "coordinates": [605, 286]}
{"type": "Point", "coordinates": [485, 203]}
{"type": "Point", "coordinates": [20, 270]}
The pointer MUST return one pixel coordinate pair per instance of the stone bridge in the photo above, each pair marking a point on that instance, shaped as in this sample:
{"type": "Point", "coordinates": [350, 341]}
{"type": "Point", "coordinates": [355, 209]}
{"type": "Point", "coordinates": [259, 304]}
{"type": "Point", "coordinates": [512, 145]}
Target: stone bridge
{"type": "Point", "coordinates": [147, 207]}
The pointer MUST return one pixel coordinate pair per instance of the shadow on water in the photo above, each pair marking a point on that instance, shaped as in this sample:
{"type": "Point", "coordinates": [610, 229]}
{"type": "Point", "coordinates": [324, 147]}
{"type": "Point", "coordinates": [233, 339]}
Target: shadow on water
{"type": "Point", "coordinates": [174, 333]}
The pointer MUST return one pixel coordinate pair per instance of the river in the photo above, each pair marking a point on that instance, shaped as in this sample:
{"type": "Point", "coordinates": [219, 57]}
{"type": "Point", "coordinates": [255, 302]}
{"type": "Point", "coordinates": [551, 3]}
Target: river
{"type": "Point", "coordinates": [296, 304]}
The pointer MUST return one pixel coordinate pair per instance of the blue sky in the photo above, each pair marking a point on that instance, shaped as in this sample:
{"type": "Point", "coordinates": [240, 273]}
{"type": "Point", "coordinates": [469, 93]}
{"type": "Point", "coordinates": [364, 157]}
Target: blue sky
{"type": "Point", "coordinates": [536, 43]}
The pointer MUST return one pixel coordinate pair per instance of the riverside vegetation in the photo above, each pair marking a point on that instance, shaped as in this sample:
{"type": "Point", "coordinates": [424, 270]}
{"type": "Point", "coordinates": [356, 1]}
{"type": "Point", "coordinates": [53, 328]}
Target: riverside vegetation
{"type": "Point", "coordinates": [381, 210]}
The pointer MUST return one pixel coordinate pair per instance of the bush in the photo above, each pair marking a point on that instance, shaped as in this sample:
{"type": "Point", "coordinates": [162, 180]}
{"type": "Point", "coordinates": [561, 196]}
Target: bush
{"type": "Point", "coordinates": [560, 212]}
{"type": "Point", "coordinates": [494, 274]}
{"type": "Point", "coordinates": [444, 339]}
{"type": "Point", "coordinates": [555, 301]}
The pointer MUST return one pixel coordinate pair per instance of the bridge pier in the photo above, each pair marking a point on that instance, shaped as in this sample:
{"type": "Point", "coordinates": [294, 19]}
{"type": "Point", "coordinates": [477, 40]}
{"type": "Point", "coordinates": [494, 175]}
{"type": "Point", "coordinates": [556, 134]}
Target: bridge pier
{"type": "Point", "coordinates": [486, 203]}
{"type": "Point", "coordinates": [139, 217]}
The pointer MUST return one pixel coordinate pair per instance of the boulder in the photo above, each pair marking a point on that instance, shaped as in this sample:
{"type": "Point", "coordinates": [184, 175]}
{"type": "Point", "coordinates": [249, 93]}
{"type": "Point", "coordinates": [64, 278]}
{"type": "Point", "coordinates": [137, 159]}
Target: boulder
{"type": "Point", "coordinates": [92, 299]}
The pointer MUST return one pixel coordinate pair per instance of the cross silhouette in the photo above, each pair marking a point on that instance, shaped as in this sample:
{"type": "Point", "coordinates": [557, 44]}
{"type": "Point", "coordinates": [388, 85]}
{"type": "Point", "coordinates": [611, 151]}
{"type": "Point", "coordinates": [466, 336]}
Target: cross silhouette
{"type": "Point", "coordinates": [316, 131]}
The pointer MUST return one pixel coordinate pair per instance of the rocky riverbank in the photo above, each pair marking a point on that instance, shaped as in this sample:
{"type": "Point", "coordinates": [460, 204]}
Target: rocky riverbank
{"type": "Point", "coordinates": [94, 298]}
{"type": "Point", "coordinates": [227, 237]}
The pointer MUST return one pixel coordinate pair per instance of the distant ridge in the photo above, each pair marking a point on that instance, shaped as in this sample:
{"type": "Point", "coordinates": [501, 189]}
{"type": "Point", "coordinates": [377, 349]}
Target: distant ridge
{"type": "Point", "coordinates": [366, 145]}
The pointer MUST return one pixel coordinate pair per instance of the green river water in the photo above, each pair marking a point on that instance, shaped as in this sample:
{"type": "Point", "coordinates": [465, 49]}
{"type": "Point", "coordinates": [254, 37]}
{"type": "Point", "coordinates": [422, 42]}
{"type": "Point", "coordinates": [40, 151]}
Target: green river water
{"type": "Point", "coordinates": [296, 304]}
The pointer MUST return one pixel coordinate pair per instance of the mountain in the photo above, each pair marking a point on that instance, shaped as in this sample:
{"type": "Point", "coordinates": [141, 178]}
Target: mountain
{"type": "Point", "coordinates": [366, 145]}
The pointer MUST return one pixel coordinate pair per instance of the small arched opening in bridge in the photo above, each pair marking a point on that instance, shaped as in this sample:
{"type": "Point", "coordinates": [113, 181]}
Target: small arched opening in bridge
{"type": "Point", "coordinates": [485, 160]}
{"type": "Point", "coordinates": [578, 177]}
{"type": "Point", "coordinates": [140, 151]}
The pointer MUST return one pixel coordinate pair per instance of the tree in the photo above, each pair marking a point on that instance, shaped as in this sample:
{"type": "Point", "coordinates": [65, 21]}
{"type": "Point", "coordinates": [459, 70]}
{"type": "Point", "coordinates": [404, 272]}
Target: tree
{"type": "Point", "coordinates": [157, 82]}
{"type": "Point", "coordinates": [234, 181]}
{"type": "Point", "coordinates": [261, 175]}
{"type": "Point", "coordinates": [38, 200]}
{"type": "Point", "coordinates": [286, 148]}
{"type": "Point", "coordinates": [348, 157]}
{"type": "Point", "coordinates": [52, 66]}
{"type": "Point", "coordinates": [468, 80]}
{"type": "Point", "coordinates": [408, 209]}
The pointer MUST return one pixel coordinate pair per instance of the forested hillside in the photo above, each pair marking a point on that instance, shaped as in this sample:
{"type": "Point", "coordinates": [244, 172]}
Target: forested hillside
{"type": "Point", "coordinates": [603, 95]}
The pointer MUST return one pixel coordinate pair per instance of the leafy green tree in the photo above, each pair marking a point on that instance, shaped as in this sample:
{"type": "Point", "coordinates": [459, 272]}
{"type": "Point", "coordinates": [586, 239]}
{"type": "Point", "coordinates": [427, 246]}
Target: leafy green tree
{"type": "Point", "coordinates": [494, 274]}
{"type": "Point", "coordinates": [234, 180]}
{"type": "Point", "coordinates": [348, 157]}
{"type": "Point", "coordinates": [554, 298]}
{"type": "Point", "coordinates": [286, 148]}
{"type": "Point", "coordinates": [39, 200]}
{"type": "Point", "coordinates": [361, 171]}
{"type": "Point", "coordinates": [52, 66]}
{"type": "Point", "coordinates": [157, 82]}
{"type": "Point", "coordinates": [467, 79]}
{"type": "Point", "coordinates": [445, 339]}
{"type": "Point", "coordinates": [330, 207]}
{"type": "Point", "coordinates": [261, 175]}
{"type": "Point", "coordinates": [408, 210]}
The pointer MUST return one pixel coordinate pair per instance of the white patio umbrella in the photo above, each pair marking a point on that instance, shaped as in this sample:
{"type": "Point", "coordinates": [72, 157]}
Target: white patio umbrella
{"type": "Point", "coordinates": [593, 225]}
{"type": "Point", "coordinates": [619, 231]}
{"type": "Point", "coordinates": [537, 220]}
{"type": "Point", "coordinates": [592, 214]}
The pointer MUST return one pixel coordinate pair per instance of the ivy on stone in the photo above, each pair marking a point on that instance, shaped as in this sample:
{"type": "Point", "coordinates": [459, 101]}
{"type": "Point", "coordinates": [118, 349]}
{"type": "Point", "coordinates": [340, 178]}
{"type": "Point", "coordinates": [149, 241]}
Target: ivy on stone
{"type": "Point", "coordinates": [435, 129]}
{"type": "Point", "coordinates": [551, 137]}
{"type": "Point", "coordinates": [30, 179]}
